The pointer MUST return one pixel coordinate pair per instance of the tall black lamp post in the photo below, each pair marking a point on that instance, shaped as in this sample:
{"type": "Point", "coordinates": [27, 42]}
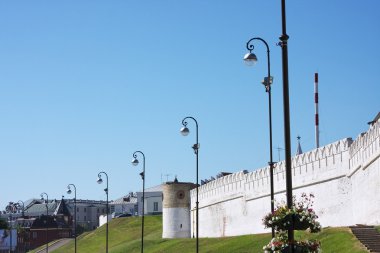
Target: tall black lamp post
{"type": "Point", "coordinates": [100, 180]}
{"type": "Point", "coordinates": [47, 216]}
{"type": "Point", "coordinates": [185, 131]}
{"type": "Point", "coordinates": [135, 162]}
{"type": "Point", "coordinates": [288, 161]}
{"type": "Point", "coordinates": [250, 58]}
{"type": "Point", "coordinates": [75, 212]}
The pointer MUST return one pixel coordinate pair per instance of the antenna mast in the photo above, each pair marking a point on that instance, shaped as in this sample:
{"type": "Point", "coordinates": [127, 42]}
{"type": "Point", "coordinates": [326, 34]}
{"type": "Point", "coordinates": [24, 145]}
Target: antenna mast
{"type": "Point", "coordinates": [316, 109]}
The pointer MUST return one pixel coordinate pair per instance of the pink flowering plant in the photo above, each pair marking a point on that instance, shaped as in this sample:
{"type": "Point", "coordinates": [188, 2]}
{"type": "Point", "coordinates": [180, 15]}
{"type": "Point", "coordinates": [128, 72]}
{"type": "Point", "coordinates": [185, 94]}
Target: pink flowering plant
{"type": "Point", "coordinates": [277, 243]}
{"type": "Point", "coordinates": [302, 213]}
{"type": "Point", "coordinates": [280, 244]}
{"type": "Point", "coordinates": [302, 216]}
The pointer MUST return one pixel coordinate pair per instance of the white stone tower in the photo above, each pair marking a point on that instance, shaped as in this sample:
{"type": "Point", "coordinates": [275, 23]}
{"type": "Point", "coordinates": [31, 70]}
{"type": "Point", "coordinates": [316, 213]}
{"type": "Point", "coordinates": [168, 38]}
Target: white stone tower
{"type": "Point", "coordinates": [176, 210]}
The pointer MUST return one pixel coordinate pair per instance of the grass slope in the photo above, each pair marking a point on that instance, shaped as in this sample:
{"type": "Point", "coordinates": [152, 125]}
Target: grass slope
{"type": "Point", "coordinates": [125, 234]}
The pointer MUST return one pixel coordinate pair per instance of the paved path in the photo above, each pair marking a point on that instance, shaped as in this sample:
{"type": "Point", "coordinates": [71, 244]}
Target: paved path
{"type": "Point", "coordinates": [56, 245]}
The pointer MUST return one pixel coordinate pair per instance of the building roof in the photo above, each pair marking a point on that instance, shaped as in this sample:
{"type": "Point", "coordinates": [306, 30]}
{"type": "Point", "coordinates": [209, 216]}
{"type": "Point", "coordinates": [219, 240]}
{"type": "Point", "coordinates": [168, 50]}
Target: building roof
{"type": "Point", "coordinates": [157, 188]}
{"type": "Point", "coordinates": [86, 202]}
{"type": "Point", "coordinates": [125, 200]}
{"type": "Point", "coordinates": [30, 202]}
{"type": "Point", "coordinates": [40, 208]}
{"type": "Point", "coordinates": [56, 207]}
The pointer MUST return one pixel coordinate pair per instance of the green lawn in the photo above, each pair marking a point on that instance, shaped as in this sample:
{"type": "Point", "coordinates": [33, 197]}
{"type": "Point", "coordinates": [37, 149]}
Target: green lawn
{"type": "Point", "coordinates": [125, 233]}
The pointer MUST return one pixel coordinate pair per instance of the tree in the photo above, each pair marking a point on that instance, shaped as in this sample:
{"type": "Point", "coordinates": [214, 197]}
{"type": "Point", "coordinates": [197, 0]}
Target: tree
{"type": "Point", "coordinates": [3, 224]}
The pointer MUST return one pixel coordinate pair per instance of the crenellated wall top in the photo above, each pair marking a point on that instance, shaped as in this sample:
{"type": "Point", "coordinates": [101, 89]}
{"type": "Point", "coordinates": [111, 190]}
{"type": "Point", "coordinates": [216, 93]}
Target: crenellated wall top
{"type": "Point", "coordinates": [312, 156]}
{"type": "Point", "coordinates": [335, 148]}
{"type": "Point", "coordinates": [322, 152]}
{"type": "Point", "coordinates": [232, 178]}
{"type": "Point", "coordinates": [366, 138]}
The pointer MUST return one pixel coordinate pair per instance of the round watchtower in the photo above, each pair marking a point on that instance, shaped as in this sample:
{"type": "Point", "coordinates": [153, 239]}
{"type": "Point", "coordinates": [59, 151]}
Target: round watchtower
{"type": "Point", "coordinates": [176, 210]}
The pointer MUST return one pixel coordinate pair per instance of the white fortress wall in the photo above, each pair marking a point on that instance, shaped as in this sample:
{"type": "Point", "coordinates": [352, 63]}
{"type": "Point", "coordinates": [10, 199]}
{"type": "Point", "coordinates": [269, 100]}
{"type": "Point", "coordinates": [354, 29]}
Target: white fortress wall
{"type": "Point", "coordinates": [327, 181]}
{"type": "Point", "coordinates": [335, 174]}
{"type": "Point", "coordinates": [321, 172]}
{"type": "Point", "coordinates": [365, 176]}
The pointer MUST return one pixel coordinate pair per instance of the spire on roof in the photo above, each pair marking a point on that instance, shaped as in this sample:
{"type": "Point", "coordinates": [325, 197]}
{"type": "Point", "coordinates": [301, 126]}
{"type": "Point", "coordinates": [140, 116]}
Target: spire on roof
{"type": "Point", "coordinates": [299, 149]}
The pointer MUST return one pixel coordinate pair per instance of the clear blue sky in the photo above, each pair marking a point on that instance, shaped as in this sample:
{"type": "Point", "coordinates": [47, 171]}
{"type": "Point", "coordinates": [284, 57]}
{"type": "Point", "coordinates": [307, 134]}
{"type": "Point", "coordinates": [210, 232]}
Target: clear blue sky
{"type": "Point", "coordinates": [84, 84]}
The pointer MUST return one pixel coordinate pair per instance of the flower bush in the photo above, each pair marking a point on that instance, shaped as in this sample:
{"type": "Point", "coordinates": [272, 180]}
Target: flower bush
{"type": "Point", "coordinates": [277, 243]}
{"type": "Point", "coordinates": [300, 217]}
{"type": "Point", "coordinates": [302, 214]}
{"type": "Point", "coordinates": [280, 244]}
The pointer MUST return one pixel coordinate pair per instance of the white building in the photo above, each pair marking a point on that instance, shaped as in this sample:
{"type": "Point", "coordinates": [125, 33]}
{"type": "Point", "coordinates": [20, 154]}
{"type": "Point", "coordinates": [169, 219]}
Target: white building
{"type": "Point", "coordinates": [153, 201]}
{"type": "Point", "coordinates": [131, 204]}
{"type": "Point", "coordinates": [103, 219]}
{"type": "Point", "coordinates": [124, 205]}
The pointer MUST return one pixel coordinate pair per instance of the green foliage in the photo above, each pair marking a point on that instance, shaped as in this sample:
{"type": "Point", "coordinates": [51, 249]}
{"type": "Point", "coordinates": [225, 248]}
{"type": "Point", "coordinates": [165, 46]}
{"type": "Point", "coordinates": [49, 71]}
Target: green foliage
{"type": "Point", "coordinates": [125, 234]}
{"type": "Point", "coordinates": [3, 224]}
{"type": "Point", "coordinates": [335, 240]}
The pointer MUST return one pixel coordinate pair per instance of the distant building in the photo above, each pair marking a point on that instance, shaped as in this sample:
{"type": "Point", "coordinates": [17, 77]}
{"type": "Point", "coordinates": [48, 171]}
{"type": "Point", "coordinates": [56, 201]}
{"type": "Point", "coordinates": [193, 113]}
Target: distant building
{"type": "Point", "coordinates": [88, 212]}
{"type": "Point", "coordinates": [38, 218]}
{"type": "Point", "coordinates": [124, 205]}
{"type": "Point", "coordinates": [153, 201]}
{"type": "Point", "coordinates": [59, 214]}
{"type": "Point", "coordinates": [103, 219]}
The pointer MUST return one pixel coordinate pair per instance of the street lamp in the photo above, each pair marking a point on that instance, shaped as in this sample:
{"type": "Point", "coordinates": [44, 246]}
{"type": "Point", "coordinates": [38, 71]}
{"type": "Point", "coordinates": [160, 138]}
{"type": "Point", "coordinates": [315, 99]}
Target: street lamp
{"type": "Point", "coordinates": [75, 211]}
{"type": "Point", "coordinates": [47, 215]}
{"type": "Point", "coordinates": [288, 159]}
{"type": "Point", "coordinates": [250, 58]}
{"type": "Point", "coordinates": [99, 181]}
{"type": "Point", "coordinates": [185, 131]}
{"type": "Point", "coordinates": [135, 162]}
